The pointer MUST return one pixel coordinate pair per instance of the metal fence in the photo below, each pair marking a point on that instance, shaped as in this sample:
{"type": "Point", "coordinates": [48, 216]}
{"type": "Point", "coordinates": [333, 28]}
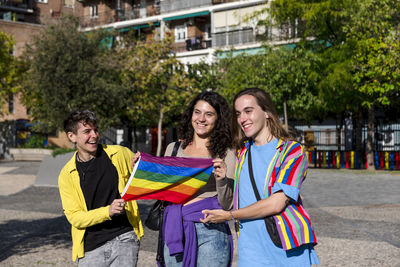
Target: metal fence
{"type": "Point", "coordinates": [385, 138]}
{"type": "Point", "coordinates": [330, 147]}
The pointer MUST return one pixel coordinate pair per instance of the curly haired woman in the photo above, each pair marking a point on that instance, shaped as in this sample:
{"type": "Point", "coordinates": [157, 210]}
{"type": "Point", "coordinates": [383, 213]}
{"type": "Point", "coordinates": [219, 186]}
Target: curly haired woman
{"type": "Point", "coordinates": [203, 132]}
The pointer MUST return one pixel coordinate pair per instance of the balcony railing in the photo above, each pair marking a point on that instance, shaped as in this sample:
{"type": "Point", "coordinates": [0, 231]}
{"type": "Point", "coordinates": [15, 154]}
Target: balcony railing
{"type": "Point", "coordinates": [175, 5]}
{"type": "Point", "coordinates": [191, 44]}
{"type": "Point", "coordinates": [18, 6]}
{"type": "Point", "coordinates": [237, 37]}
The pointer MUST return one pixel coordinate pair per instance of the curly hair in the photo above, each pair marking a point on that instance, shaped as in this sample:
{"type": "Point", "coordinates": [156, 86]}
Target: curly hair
{"type": "Point", "coordinates": [85, 116]}
{"type": "Point", "coordinates": [220, 137]}
{"type": "Point", "coordinates": [273, 122]}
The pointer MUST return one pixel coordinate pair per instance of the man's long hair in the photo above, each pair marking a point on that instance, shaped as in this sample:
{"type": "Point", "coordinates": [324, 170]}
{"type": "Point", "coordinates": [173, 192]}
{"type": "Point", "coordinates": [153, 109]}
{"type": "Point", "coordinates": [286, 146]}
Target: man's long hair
{"type": "Point", "coordinates": [273, 122]}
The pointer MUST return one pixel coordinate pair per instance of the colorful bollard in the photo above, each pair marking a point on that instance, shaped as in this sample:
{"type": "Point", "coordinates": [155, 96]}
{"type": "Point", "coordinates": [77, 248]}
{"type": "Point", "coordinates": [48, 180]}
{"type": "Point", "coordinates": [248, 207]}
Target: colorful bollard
{"type": "Point", "coordinates": [352, 159]}
{"type": "Point", "coordinates": [391, 161]}
{"type": "Point", "coordinates": [376, 161]}
{"type": "Point", "coordinates": [357, 159]}
{"type": "Point", "coordinates": [342, 159]}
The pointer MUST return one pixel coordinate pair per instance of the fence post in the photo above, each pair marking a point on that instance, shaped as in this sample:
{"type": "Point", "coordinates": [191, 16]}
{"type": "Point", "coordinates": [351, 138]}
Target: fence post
{"type": "Point", "coordinates": [315, 158]}
{"type": "Point", "coordinates": [391, 161]}
{"type": "Point", "coordinates": [386, 160]}
{"type": "Point", "coordinates": [357, 159]}
{"type": "Point", "coordinates": [329, 158]}
{"type": "Point", "coordinates": [338, 162]}
{"type": "Point", "coordinates": [352, 159]}
{"type": "Point", "coordinates": [319, 159]}
{"type": "Point", "coordinates": [376, 160]}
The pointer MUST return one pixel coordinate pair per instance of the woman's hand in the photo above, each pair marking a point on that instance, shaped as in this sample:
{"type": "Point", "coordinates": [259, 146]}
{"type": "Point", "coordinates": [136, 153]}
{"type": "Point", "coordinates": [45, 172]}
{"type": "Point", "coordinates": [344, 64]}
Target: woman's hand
{"type": "Point", "coordinates": [215, 216]}
{"type": "Point", "coordinates": [219, 168]}
{"type": "Point", "coordinates": [135, 158]}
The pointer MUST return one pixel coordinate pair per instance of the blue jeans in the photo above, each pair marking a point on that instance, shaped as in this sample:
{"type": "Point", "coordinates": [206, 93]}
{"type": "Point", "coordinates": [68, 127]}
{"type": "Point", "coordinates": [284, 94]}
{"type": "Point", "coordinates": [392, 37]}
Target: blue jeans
{"type": "Point", "coordinates": [121, 251]}
{"type": "Point", "coordinates": [213, 245]}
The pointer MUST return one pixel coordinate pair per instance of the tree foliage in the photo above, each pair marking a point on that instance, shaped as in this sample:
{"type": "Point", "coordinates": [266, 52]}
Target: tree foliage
{"type": "Point", "coordinates": [288, 75]}
{"type": "Point", "coordinates": [70, 70]}
{"type": "Point", "coordinates": [156, 82]}
{"type": "Point", "coordinates": [358, 43]}
{"type": "Point", "coordinates": [10, 71]}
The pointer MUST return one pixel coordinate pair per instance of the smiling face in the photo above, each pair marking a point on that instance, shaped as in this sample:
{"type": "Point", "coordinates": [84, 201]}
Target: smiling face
{"type": "Point", "coordinates": [86, 140]}
{"type": "Point", "coordinates": [204, 117]}
{"type": "Point", "coordinates": [252, 119]}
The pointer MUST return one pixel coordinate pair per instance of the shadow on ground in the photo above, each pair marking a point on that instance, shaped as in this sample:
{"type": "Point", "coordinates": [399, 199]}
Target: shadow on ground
{"type": "Point", "coordinates": [20, 237]}
{"type": "Point", "coordinates": [33, 218]}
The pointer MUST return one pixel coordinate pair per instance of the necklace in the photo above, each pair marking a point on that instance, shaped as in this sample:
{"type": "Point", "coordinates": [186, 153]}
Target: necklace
{"type": "Point", "coordinates": [83, 166]}
{"type": "Point", "coordinates": [80, 160]}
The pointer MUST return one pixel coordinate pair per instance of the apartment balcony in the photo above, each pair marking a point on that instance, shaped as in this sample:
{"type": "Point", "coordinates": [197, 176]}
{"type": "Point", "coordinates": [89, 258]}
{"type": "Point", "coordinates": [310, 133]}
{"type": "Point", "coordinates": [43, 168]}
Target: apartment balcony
{"type": "Point", "coordinates": [137, 12]}
{"type": "Point", "coordinates": [192, 44]}
{"type": "Point", "coordinates": [167, 6]}
{"type": "Point", "coordinates": [101, 19]}
{"type": "Point", "coordinates": [237, 37]}
{"type": "Point", "coordinates": [21, 6]}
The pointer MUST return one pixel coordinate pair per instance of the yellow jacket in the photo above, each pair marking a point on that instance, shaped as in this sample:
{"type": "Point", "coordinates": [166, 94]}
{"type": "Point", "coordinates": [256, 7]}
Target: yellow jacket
{"type": "Point", "coordinates": [74, 204]}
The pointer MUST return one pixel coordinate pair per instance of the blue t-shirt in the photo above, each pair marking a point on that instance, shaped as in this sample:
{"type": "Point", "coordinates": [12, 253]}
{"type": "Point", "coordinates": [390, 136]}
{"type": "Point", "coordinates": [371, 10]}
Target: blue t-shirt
{"type": "Point", "coordinates": [255, 247]}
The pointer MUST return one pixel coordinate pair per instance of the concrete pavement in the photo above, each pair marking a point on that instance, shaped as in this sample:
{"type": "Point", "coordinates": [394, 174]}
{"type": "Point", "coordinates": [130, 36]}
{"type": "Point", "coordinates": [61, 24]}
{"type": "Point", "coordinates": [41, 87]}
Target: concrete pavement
{"type": "Point", "coordinates": [356, 216]}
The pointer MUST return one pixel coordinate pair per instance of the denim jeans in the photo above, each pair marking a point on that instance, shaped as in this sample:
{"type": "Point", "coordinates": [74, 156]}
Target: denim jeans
{"type": "Point", "coordinates": [121, 251]}
{"type": "Point", "coordinates": [213, 245]}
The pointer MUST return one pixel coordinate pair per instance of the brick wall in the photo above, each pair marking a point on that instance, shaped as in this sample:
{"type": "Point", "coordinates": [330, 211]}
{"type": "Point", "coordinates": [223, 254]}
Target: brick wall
{"type": "Point", "coordinates": [21, 32]}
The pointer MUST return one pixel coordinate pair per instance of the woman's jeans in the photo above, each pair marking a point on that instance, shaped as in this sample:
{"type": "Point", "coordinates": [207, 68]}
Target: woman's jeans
{"type": "Point", "coordinates": [213, 246]}
{"type": "Point", "coordinates": [119, 252]}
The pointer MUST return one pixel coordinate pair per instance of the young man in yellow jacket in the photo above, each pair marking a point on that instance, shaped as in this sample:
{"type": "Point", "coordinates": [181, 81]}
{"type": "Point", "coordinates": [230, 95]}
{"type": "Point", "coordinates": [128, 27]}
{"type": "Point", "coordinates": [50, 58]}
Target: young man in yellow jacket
{"type": "Point", "coordinates": [105, 229]}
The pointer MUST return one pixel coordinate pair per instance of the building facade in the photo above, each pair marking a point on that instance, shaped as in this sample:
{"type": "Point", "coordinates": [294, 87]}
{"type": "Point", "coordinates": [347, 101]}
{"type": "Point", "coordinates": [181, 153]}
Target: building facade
{"type": "Point", "coordinates": [203, 29]}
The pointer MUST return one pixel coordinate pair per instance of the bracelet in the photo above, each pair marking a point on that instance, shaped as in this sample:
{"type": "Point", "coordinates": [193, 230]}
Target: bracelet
{"type": "Point", "coordinates": [232, 218]}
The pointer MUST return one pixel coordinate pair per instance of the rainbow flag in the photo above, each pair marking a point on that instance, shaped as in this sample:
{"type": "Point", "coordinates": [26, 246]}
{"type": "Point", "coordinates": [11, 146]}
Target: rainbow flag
{"type": "Point", "coordinates": [173, 179]}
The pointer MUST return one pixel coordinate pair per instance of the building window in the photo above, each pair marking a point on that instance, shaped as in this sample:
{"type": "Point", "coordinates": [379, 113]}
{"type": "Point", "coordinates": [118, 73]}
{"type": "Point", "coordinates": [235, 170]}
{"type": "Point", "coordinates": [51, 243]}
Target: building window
{"type": "Point", "coordinates": [42, 1]}
{"type": "Point", "coordinates": [69, 3]}
{"type": "Point", "coordinates": [94, 11]}
{"type": "Point", "coordinates": [180, 33]}
{"type": "Point", "coordinates": [11, 104]}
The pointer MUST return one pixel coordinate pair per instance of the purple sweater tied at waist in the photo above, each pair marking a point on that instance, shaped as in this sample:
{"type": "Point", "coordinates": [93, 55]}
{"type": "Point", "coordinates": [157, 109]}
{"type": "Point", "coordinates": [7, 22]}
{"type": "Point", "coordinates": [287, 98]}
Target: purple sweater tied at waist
{"type": "Point", "coordinates": [179, 225]}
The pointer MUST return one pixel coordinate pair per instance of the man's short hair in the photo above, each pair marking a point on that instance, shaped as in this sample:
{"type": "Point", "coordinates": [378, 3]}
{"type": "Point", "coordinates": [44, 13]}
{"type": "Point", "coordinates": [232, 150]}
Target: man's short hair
{"type": "Point", "coordinates": [85, 116]}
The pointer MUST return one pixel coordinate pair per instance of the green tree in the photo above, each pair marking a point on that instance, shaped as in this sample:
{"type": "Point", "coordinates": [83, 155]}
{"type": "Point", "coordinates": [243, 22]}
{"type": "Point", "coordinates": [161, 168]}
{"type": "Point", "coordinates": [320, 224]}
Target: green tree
{"type": "Point", "coordinates": [204, 76]}
{"type": "Point", "coordinates": [374, 31]}
{"type": "Point", "coordinates": [10, 71]}
{"type": "Point", "coordinates": [239, 72]}
{"type": "Point", "coordinates": [71, 70]}
{"type": "Point", "coordinates": [291, 77]}
{"type": "Point", "coordinates": [358, 43]}
{"type": "Point", "coordinates": [287, 74]}
{"type": "Point", "coordinates": [156, 82]}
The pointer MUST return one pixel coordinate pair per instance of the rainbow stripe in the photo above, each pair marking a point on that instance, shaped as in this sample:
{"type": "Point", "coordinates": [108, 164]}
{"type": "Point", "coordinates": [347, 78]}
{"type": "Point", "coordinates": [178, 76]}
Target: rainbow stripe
{"type": "Point", "coordinates": [288, 166]}
{"type": "Point", "coordinates": [173, 179]}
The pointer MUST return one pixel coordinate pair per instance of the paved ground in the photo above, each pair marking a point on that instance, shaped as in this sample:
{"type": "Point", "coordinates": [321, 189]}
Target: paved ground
{"type": "Point", "coordinates": [356, 216]}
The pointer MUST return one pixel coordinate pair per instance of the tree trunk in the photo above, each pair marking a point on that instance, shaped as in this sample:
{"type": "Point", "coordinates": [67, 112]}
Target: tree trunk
{"type": "Point", "coordinates": [339, 133]}
{"type": "Point", "coordinates": [370, 132]}
{"type": "Point", "coordinates": [135, 139]}
{"type": "Point", "coordinates": [359, 136]}
{"type": "Point", "coordinates": [359, 130]}
{"type": "Point", "coordinates": [285, 115]}
{"type": "Point", "coordinates": [159, 133]}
